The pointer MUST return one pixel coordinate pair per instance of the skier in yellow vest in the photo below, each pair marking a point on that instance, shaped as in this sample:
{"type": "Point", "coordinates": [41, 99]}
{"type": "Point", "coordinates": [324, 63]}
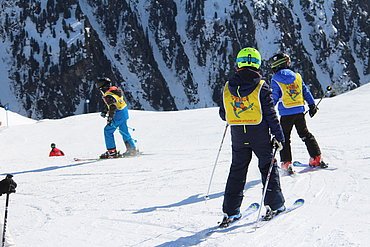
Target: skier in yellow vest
{"type": "Point", "coordinates": [117, 111]}
{"type": "Point", "coordinates": [290, 91]}
{"type": "Point", "coordinates": [248, 108]}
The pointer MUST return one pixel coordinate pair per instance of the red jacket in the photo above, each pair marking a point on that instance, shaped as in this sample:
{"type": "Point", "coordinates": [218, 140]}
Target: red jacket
{"type": "Point", "coordinates": [56, 152]}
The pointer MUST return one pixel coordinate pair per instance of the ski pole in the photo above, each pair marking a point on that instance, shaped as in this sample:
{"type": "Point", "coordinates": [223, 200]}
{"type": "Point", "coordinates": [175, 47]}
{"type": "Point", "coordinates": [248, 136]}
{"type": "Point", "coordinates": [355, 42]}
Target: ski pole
{"type": "Point", "coordinates": [214, 167]}
{"type": "Point", "coordinates": [6, 111]}
{"type": "Point", "coordinates": [123, 133]}
{"type": "Point", "coordinates": [6, 212]}
{"type": "Point", "coordinates": [120, 131]}
{"type": "Point", "coordinates": [266, 184]}
{"type": "Point", "coordinates": [5, 218]}
{"type": "Point", "coordinates": [328, 89]}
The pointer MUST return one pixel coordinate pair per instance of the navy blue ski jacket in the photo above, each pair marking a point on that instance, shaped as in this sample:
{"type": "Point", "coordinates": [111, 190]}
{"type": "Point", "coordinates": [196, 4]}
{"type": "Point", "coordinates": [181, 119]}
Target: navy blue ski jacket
{"type": "Point", "coordinates": [247, 80]}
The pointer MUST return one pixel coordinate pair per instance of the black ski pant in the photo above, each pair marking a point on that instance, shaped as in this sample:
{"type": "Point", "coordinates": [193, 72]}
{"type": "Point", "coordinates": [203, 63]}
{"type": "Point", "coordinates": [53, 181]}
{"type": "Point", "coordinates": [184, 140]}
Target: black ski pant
{"type": "Point", "coordinates": [287, 122]}
{"type": "Point", "coordinates": [241, 158]}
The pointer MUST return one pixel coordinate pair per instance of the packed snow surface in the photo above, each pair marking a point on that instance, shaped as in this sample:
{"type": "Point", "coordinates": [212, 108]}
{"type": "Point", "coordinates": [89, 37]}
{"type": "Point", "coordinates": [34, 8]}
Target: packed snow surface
{"type": "Point", "coordinates": [157, 199]}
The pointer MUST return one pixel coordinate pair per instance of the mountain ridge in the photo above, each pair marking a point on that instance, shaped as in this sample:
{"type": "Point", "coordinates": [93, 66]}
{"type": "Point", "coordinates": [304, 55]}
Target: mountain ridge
{"type": "Point", "coordinates": [170, 55]}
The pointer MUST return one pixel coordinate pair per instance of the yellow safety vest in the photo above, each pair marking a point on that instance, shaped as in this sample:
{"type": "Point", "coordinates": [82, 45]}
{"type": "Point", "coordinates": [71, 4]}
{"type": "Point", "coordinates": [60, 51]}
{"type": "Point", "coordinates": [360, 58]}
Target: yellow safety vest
{"type": "Point", "coordinates": [120, 102]}
{"type": "Point", "coordinates": [243, 110]}
{"type": "Point", "coordinates": [292, 93]}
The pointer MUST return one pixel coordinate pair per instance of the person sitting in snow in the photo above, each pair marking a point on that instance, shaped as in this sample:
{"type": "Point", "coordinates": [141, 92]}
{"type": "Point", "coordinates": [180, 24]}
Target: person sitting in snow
{"type": "Point", "coordinates": [55, 151]}
{"type": "Point", "coordinates": [250, 133]}
{"type": "Point", "coordinates": [7, 186]}
{"type": "Point", "coordinates": [117, 111]}
{"type": "Point", "coordinates": [290, 91]}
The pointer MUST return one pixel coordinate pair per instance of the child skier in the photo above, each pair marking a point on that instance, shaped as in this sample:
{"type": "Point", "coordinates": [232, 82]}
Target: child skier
{"type": "Point", "coordinates": [117, 111]}
{"type": "Point", "coordinates": [55, 151]}
{"type": "Point", "coordinates": [291, 92]}
{"type": "Point", "coordinates": [248, 108]}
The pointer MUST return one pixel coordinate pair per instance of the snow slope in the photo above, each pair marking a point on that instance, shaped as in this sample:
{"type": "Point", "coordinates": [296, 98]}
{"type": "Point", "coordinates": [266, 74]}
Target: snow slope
{"type": "Point", "coordinates": [12, 119]}
{"type": "Point", "coordinates": [157, 199]}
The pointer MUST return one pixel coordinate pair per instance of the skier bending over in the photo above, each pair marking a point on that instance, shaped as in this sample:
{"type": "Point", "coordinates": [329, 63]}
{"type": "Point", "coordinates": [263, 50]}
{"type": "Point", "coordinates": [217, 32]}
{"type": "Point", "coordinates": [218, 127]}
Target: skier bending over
{"type": "Point", "coordinates": [291, 92]}
{"type": "Point", "coordinates": [117, 111]}
{"type": "Point", "coordinates": [250, 132]}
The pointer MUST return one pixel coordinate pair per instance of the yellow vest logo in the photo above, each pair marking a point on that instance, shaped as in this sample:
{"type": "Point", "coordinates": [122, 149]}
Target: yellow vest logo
{"type": "Point", "coordinates": [120, 102]}
{"type": "Point", "coordinates": [243, 110]}
{"type": "Point", "coordinates": [292, 93]}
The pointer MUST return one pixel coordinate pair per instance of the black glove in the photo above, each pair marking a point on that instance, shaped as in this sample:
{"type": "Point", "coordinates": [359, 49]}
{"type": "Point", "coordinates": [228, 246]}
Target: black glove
{"type": "Point", "coordinates": [109, 121]}
{"type": "Point", "coordinates": [276, 144]}
{"type": "Point", "coordinates": [7, 185]}
{"type": "Point", "coordinates": [313, 109]}
{"type": "Point", "coordinates": [103, 114]}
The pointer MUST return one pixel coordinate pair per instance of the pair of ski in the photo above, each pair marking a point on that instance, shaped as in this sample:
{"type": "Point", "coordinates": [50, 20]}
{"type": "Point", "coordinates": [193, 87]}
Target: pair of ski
{"type": "Point", "coordinates": [254, 207]}
{"type": "Point", "coordinates": [117, 157]}
{"type": "Point", "coordinates": [307, 168]}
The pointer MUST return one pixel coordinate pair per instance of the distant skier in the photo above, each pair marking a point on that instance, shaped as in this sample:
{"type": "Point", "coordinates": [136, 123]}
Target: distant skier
{"type": "Point", "coordinates": [248, 108]}
{"type": "Point", "coordinates": [117, 111]}
{"type": "Point", "coordinates": [7, 186]}
{"type": "Point", "coordinates": [290, 91]}
{"type": "Point", "coordinates": [55, 151]}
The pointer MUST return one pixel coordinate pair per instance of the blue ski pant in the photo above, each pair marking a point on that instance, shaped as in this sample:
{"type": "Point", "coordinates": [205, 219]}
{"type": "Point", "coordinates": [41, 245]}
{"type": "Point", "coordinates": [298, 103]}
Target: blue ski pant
{"type": "Point", "coordinates": [119, 122]}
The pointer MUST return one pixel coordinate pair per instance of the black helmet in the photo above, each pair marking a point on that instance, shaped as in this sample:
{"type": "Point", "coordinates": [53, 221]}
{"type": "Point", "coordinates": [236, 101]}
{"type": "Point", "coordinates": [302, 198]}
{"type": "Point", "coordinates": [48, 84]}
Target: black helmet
{"type": "Point", "coordinates": [103, 83]}
{"type": "Point", "coordinates": [279, 61]}
{"type": "Point", "coordinates": [52, 145]}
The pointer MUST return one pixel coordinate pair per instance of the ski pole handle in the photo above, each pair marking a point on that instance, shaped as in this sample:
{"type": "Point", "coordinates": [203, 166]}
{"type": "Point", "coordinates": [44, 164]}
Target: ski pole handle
{"type": "Point", "coordinates": [328, 89]}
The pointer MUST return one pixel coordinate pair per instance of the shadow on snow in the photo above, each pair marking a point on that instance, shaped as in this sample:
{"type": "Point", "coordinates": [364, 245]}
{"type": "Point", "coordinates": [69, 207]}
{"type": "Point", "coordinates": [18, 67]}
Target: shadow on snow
{"type": "Point", "coordinates": [50, 168]}
{"type": "Point", "coordinates": [193, 199]}
{"type": "Point", "coordinates": [202, 236]}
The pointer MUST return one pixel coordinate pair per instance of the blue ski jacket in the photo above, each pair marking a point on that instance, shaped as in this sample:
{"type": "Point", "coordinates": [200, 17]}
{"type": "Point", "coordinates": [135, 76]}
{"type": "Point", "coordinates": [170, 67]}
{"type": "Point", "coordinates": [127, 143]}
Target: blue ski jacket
{"type": "Point", "coordinates": [288, 76]}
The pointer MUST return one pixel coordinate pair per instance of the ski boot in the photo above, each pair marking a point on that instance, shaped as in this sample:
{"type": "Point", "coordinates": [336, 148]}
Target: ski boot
{"type": "Point", "coordinates": [287, 167]}
{"type": "Point", "coordinates": [109, 154]}
{"type": "Point", "coordinates": [227, 220]}
{"type": "Point", "coordinates": [272, 213]}
{"type": "Point", "coordinates": [317, 162]}
{"type": "Point", "coordinates": [130, 151]}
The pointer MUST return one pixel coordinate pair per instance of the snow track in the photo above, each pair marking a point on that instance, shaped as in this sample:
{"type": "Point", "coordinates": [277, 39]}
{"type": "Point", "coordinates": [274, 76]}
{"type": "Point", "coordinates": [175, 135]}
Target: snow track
{"type": "Point", "coordinates": [158, 199]}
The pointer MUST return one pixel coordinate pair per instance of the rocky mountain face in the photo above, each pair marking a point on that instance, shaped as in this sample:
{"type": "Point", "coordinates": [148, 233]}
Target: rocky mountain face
{"type": "Point", "coordinates": [170, 54]}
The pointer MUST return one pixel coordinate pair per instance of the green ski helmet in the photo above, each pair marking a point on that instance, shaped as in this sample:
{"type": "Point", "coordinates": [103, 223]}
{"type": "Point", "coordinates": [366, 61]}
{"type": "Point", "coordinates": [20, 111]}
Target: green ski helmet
{"type": "Point", "coordinates": [249, 57]}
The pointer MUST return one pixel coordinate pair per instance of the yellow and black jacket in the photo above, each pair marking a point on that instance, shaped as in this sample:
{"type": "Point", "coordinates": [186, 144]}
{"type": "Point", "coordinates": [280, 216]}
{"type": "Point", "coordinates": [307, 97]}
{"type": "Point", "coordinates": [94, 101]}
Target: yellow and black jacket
{"type": "Point", "coordinates": [114, 101]}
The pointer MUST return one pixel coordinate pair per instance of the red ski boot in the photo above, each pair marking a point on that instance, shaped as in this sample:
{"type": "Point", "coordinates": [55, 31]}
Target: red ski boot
{"type": "Point", "coordinates": [287, 167]}
{"type": "Point", "coordinates": [317, 162]}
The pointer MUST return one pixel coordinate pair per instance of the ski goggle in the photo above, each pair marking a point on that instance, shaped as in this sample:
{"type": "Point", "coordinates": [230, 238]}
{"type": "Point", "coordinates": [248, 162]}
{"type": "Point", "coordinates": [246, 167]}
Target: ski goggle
{"type": "Point", "coordinates": [248, 60]}
{"type": "Point", "coordinates": [279, 62]}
